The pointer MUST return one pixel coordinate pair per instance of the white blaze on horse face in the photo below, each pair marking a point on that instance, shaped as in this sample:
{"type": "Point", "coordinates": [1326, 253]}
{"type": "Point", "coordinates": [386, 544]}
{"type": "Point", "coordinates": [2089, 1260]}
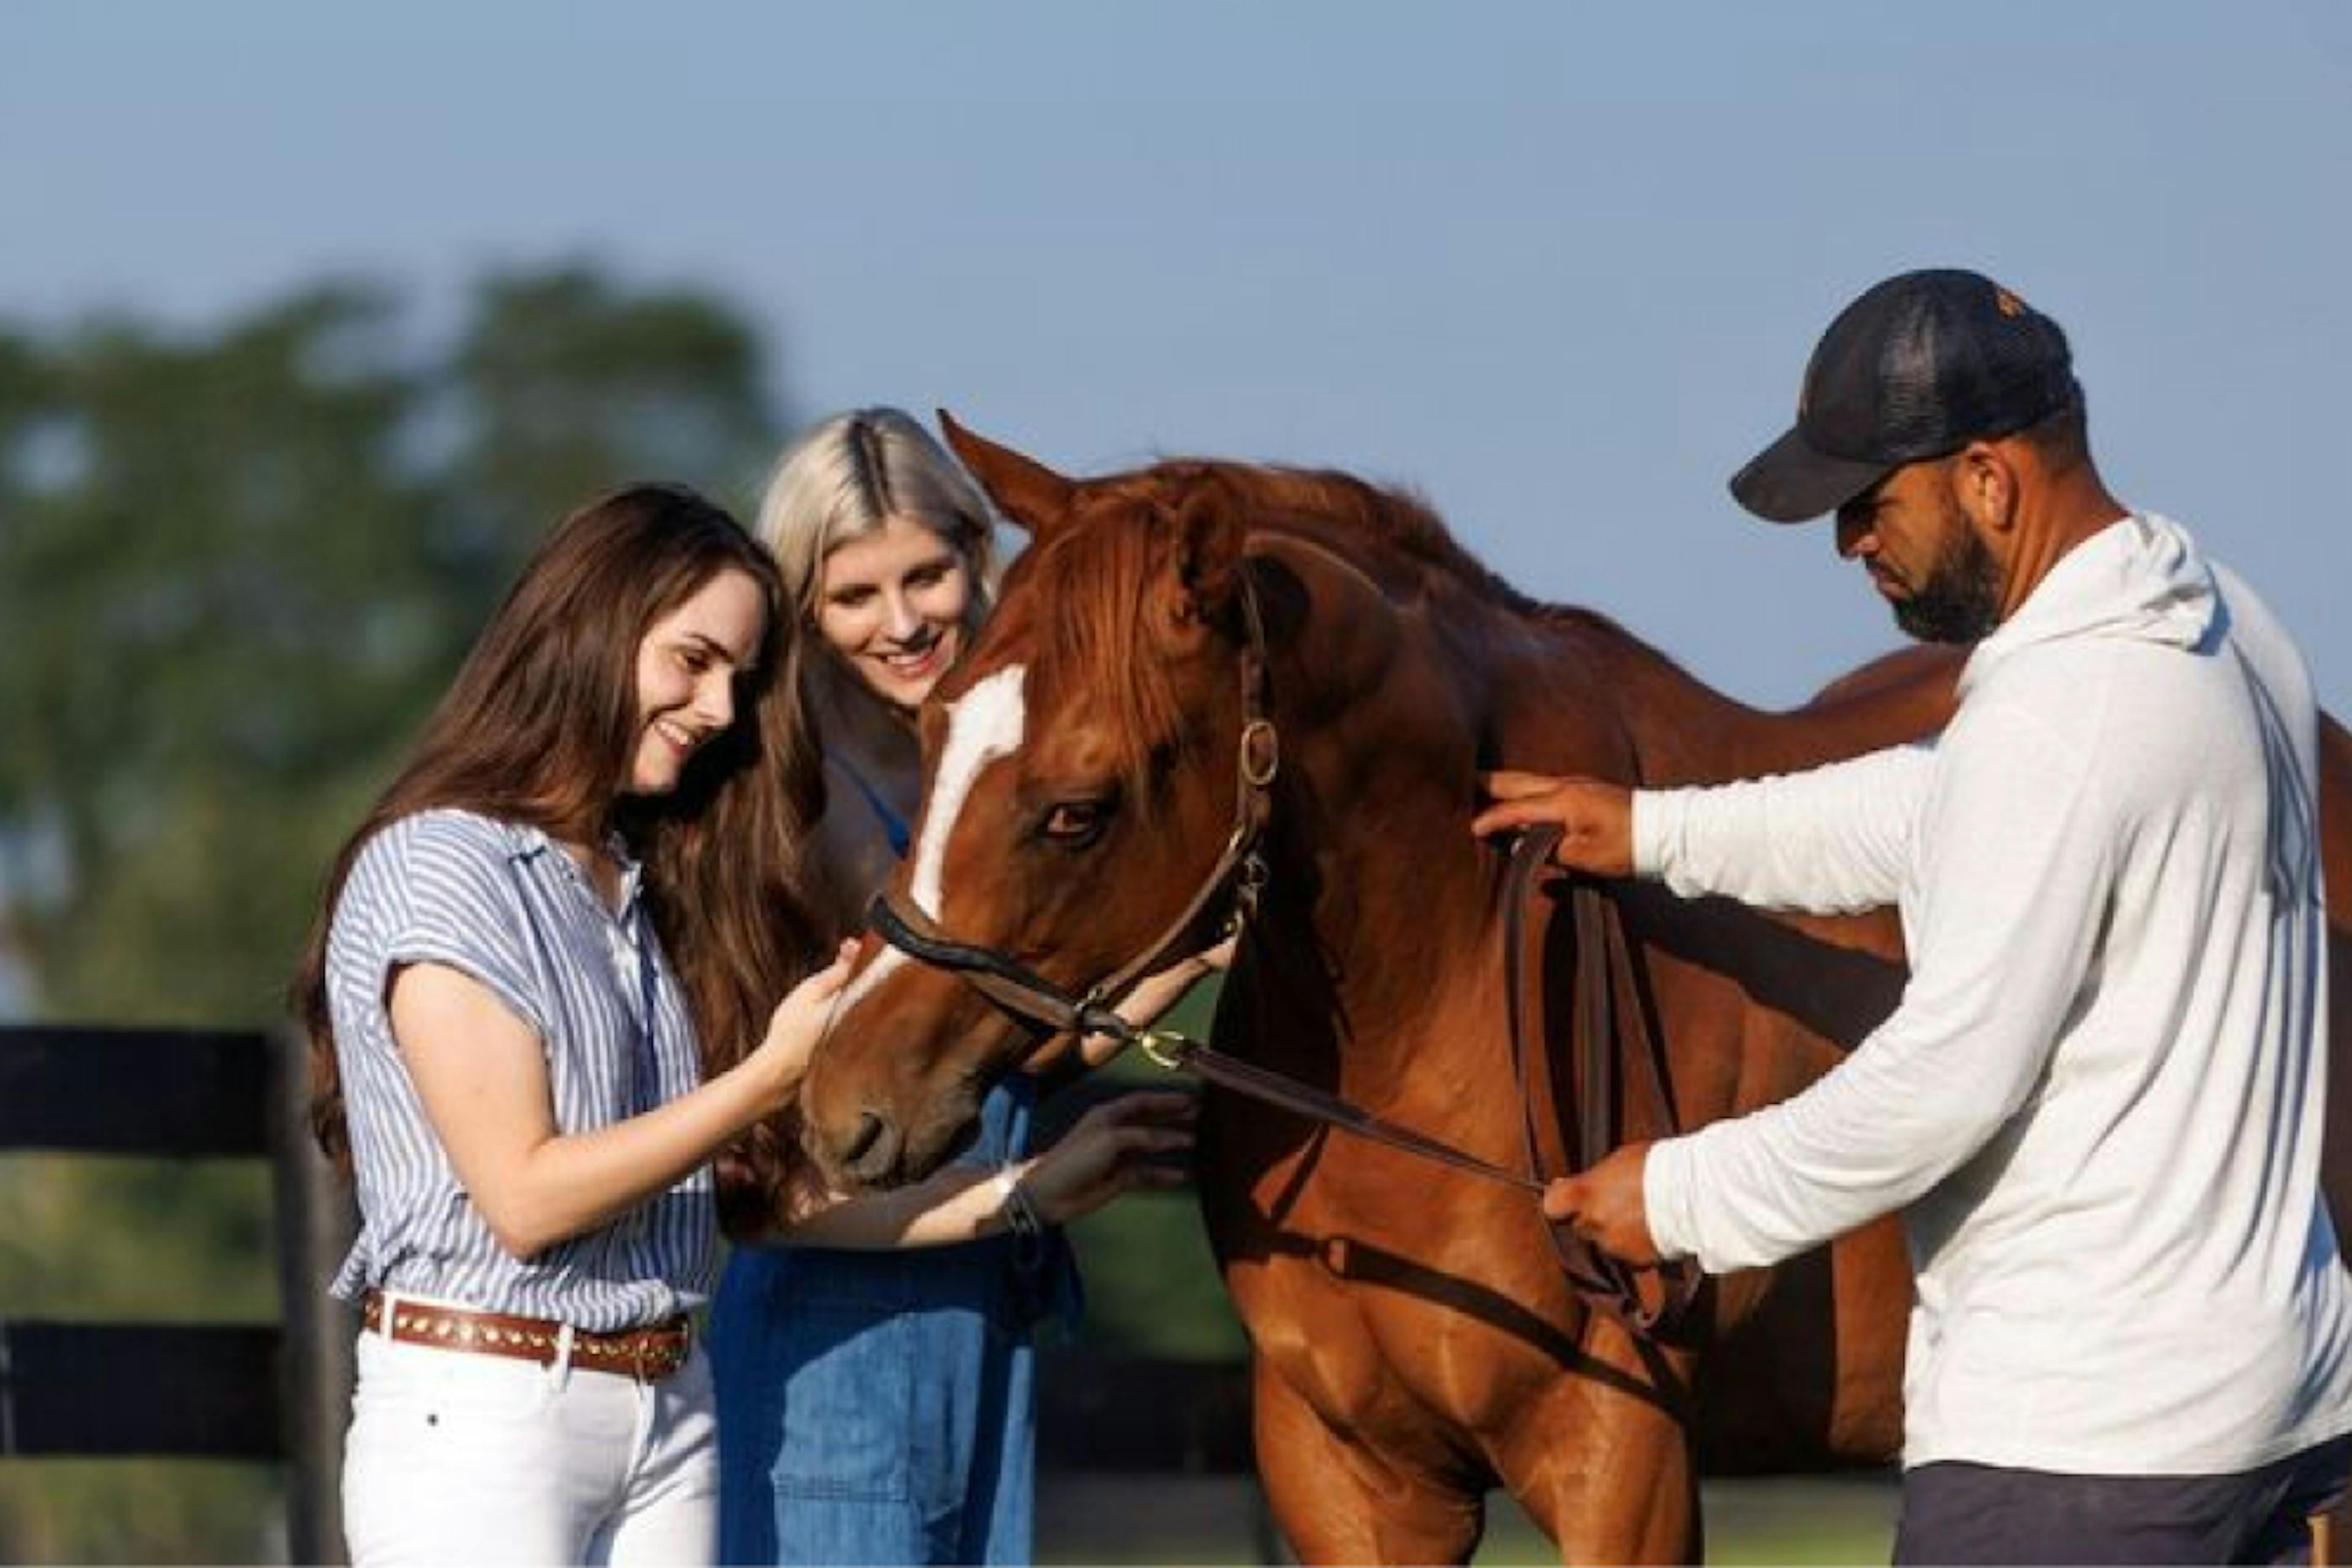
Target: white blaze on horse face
{"type": "Point", "coordinates": [983, 724]}
{"type": "Point", "coordinates": [987, 722]}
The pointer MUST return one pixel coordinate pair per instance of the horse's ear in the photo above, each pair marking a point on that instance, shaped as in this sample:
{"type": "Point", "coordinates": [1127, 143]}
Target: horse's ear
{"type": "Point", "coordinates": [1207, 557]}
{"type": "Point", "coordinates": [1032, 496]}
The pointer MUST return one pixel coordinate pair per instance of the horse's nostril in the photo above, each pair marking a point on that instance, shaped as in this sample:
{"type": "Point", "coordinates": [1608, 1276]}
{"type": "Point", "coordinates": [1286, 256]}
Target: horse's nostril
{"type": "Point", "coordinates": [873, 1149]}
{"type": "Point", "coordinates": [869, 1128]}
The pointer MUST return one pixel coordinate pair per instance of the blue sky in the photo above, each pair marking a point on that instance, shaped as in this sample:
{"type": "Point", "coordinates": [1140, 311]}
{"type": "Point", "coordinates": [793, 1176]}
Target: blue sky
{"type": "Point", "coordinates": [1556, 266]}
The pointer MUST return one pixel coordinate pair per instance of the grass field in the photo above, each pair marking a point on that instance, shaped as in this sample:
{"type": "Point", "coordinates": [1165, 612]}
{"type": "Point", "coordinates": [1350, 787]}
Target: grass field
{"type": "Point", "coordinates": [1220, 1520]}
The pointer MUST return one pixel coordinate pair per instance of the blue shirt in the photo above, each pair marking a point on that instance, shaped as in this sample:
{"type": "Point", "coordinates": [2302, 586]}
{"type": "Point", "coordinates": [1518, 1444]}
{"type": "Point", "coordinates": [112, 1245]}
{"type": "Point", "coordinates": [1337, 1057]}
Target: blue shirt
{"type": "Point", "coordinates": [505, 905]}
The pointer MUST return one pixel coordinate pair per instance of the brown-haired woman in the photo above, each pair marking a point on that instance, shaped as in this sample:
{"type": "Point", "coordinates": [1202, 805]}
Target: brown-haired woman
{"type": "Point", "coordinates": [585, 869]}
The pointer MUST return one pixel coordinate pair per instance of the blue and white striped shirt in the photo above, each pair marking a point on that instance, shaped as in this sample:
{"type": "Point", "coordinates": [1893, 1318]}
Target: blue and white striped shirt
{"type": "Point", "coordinates": [504, 904]}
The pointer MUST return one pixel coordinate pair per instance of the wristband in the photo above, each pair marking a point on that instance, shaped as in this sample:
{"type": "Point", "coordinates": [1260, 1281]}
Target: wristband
{"type": "Point", "coordinates": [1020, 1213]}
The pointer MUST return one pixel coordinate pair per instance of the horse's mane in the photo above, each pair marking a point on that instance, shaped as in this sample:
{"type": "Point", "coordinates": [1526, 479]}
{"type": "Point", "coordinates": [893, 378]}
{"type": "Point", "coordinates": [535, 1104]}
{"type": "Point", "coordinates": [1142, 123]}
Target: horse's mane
{"type": "Point", "coordinates": [1394, 516]}
{"type": "Point", "coordinates": [1093, 576]}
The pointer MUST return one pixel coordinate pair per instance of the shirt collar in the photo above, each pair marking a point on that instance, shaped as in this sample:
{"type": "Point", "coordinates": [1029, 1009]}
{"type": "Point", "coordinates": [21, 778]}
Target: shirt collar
{"type": "Point", "coordinates": [526, 841]}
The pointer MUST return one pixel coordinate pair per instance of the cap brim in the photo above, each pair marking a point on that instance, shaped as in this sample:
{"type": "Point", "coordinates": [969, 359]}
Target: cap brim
{"type": "Point", "coordinates": [1788, 481]}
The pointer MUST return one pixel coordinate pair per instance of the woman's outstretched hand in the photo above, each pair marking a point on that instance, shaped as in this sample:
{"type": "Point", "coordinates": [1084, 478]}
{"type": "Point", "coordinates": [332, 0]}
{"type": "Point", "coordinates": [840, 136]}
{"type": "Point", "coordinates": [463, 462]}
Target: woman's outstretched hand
{"type": "Point", "coordinates": [1154, 995]}
{"type": "Point", "coordinates": [796, 1026]}
{"type": "Point", "coordinates": [1109, 1150]}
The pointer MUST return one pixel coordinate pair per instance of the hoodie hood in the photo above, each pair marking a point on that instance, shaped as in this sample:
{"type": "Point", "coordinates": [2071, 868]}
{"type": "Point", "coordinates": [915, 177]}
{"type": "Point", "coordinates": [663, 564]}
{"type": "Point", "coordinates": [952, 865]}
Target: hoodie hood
{"type": "Point", "coordinates": [2140, 577]}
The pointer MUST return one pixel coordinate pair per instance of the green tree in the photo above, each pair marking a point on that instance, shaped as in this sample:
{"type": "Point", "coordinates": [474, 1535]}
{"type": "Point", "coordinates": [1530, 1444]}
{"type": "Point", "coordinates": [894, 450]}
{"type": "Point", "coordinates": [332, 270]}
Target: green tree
{"type": "Point", "coordinates": [563, 376]}
{"type": "Point", "coordinates": [235, 572]}
{"type": "Point", "coordinates": [207, 584]}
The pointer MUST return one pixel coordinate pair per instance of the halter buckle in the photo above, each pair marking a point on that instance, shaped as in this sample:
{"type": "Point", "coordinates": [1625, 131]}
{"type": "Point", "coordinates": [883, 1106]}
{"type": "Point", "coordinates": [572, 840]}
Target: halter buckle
{"type": "Point", "coordinates": [1164, 1048]}
{"type": "Point", "coordinates": [1261, 754]}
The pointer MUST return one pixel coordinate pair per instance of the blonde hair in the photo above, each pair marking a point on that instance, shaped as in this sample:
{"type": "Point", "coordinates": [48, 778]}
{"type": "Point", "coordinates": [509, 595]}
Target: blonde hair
{"type": "Point", "coordinates": [846, 476]}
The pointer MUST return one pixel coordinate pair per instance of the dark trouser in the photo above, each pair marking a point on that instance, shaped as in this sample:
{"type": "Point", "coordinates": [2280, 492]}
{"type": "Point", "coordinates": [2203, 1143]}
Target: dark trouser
{"type": "Point", "coordinates": [1958, 1512]}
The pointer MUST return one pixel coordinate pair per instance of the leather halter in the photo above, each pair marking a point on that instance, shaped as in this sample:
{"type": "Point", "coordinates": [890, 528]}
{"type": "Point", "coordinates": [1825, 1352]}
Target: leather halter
{"type": "Point", "coordinates": [1609, 1008]}
{"type": "Point", "coordinates": [1230, 887]}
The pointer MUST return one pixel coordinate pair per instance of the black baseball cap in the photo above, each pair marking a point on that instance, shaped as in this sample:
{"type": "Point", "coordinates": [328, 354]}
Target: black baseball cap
{"type": "Point", "coordinates": [1919, 366]}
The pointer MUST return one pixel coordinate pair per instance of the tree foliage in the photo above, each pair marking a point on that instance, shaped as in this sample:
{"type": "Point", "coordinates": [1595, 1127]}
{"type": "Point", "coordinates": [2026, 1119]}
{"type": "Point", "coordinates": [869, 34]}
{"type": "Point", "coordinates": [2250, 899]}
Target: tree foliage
{"type": "Point", "coordinates": [236, 570]}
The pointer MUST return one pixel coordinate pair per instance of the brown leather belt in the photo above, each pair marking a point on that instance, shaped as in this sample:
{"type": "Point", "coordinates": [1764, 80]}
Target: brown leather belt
{"type": "Point", "coordinates": [648, 1354]}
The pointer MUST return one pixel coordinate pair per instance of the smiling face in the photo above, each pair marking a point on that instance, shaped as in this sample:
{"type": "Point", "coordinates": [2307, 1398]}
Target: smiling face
{"type": "Point", "coordinates": [893, 603]}
{"type": "Point", "coordinates": [687, 666]}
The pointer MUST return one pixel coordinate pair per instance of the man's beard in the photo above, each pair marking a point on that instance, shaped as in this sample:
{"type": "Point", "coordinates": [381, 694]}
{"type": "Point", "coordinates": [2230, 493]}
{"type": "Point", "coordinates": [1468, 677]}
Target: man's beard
{"type": "Point", "coordinates": [1961, 600]}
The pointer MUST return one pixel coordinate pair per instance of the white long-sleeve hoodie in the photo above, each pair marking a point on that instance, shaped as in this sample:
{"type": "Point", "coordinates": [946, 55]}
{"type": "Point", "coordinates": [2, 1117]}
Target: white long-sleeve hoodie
{"type": "Point", "coordinates": [2099, 1102]}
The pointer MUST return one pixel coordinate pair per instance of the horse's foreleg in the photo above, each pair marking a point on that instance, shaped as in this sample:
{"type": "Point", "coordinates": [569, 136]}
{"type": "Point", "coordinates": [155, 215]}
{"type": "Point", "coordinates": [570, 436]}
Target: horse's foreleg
{"type": "Point", "coordinates": [1337, 1501]}
{"type": "Point", "coordinates": [1606, 1469]}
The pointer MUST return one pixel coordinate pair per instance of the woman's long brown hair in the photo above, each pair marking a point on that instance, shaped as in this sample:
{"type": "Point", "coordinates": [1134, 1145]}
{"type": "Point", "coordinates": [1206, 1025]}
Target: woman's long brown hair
{"type": "Point", "coordinates": [540, 727]}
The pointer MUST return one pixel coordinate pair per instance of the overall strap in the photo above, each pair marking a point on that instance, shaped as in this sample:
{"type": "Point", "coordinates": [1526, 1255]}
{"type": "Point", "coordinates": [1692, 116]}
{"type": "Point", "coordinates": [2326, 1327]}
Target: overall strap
{"type": "Point", "coordinates": [894, 827]}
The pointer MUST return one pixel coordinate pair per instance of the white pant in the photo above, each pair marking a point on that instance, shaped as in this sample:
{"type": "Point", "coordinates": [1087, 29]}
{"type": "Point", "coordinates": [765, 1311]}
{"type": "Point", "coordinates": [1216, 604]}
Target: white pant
{"type": "Point", "coordinates": [458, 1458]}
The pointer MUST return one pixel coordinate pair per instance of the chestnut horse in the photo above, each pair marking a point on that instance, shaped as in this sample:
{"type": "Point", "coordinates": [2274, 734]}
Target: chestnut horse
{"type": "Point", "coordinates": [1415, 1342]}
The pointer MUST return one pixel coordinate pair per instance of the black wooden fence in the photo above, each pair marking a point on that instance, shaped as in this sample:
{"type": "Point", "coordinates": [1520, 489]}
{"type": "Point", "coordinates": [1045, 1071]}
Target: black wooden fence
{"type": "Point", "coordinates": [249, 1391]}
{"type": "Point", "coordinates": [280, 1391]}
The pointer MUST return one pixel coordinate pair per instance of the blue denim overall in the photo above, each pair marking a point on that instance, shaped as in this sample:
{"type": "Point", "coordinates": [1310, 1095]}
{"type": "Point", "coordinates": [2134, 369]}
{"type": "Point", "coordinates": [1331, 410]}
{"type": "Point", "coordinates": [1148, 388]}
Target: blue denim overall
{"type": "Point", "coordinates": [879, 1407]}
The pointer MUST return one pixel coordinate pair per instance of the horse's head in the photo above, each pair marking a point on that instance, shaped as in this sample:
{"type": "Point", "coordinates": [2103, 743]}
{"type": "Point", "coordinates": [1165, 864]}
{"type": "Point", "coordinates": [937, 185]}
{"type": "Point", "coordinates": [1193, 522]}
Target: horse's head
{"type": "Point", "coordinates": [1079, 793]}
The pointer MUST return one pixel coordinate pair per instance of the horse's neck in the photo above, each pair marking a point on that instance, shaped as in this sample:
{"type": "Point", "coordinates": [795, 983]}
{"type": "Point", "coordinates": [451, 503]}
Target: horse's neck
{"type": "Point", "coordinates": [1401, 688]}
{"type": "Point", "coordinates": [1383, 900]}
{"type": "Point", "coordinates": [1400, 898]}
{"type": "Point", "coordinates": [1683, 732]}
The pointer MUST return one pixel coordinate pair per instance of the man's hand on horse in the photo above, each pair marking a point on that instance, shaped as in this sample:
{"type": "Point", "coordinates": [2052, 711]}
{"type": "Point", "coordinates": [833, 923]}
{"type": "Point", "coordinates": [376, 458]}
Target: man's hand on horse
{"type": "Point", "coordinates": [1604, 1204]}
{"type": "Point", "coordinates": [1595, 817]}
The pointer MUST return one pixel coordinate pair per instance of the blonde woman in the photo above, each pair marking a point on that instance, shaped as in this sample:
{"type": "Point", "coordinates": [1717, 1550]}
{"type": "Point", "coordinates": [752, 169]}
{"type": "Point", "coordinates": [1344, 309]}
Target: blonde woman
{"type": "Point", "coordinates": [878, 1405]}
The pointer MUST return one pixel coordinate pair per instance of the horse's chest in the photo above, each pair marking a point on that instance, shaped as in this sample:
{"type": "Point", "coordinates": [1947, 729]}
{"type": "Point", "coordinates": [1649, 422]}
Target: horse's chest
{"type": "Point", "coordinates": [1363, 1371]}
{"type": "Point", "coordinates": [1390, 1340]}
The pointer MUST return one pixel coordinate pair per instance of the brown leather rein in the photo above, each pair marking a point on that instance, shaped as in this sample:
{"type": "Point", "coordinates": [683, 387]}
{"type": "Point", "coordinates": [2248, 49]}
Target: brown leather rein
{"type": "Point", "coordinates": [1609, 1011]}
{"type": "Point", "coordinates": [1611, 1024]}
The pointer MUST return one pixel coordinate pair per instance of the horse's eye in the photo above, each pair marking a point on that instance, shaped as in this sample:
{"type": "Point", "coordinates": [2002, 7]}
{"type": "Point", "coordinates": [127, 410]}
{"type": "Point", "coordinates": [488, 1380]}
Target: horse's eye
{"type": "Point", "coordinates": [1075, 823]}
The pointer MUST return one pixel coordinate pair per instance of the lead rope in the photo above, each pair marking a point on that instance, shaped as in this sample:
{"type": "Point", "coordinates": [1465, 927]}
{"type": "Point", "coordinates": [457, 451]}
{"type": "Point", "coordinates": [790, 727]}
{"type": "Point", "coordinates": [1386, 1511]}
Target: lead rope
{"type": "Point", "coordinates": [1604, 970]}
